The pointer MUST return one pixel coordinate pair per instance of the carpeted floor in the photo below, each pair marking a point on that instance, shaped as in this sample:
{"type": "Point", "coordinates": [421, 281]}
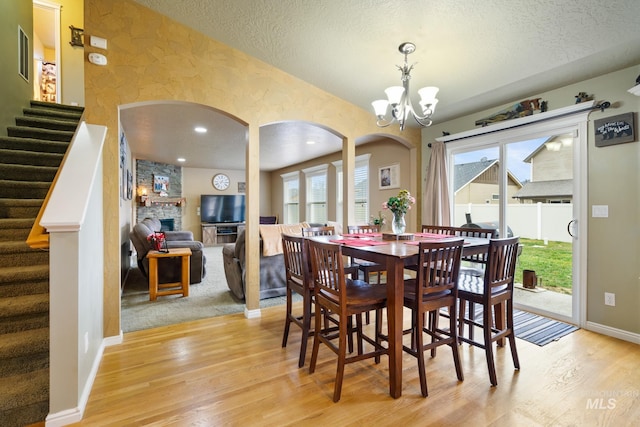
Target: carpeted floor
{"type": "Point", "coordinates": [209, 298]}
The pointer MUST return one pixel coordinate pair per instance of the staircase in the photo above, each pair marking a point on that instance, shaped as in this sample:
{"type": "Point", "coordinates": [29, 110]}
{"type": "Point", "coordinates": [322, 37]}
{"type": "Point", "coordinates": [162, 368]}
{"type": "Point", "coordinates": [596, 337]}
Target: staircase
{"type": "Point", "coordinates": [29, 159]}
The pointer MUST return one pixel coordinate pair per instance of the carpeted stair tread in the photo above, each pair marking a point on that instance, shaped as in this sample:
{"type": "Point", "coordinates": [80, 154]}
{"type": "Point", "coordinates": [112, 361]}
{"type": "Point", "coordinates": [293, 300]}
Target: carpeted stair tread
{"type": "Point", "coordinates": [53, 113]}
{"type": "Point", "coordinates": [22, 343]}
{"type": "Point", "coordinates": [19, 208]}
{"type": "Point", "coordinates": [24, 389]}
{"type": "Point", "coordinates": [23, 305]}
{"type": "Point", "coordinates": [23, 189]}
{"type": "Point", "coordinates": [56, 107]}
{"type": "Point", "coordinates": [33, 144]}
{"type": "Point", "coordinates": [11, 223]}
{"type": "Point", "coordinates": [18, 253]}
{"type": "Point", "coordinates": [49, 134]}
{"type": "Point", "coordinates": [30, 158]}
{"type": "Point", "coordinates": [27, 173]}
{"type": "Point", "coordinates": [47, 123]}
{"type": "Point", "coordinates": [27, 273]}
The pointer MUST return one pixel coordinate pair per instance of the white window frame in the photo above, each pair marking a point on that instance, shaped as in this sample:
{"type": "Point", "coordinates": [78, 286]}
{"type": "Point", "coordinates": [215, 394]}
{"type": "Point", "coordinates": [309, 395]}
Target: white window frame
{"type": "Point", "coordinates": [316, 201]}
{"type": "Point", "coordinates": [287, 203]}
{"type": "Point", "coordinates": [361, 162]}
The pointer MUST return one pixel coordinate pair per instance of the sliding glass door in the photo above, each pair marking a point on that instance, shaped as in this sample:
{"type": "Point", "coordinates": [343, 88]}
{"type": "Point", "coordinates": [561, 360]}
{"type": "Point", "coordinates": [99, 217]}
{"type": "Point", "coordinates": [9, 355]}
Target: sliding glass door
{"type": "Point", "coordinates": [523, 182]}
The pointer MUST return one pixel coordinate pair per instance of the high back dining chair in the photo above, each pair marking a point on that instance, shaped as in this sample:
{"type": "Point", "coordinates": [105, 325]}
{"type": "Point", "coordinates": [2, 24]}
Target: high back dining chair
{"type": "Point", "coordinates": [475, 264]}
{"type": "Point", "coordinates": [334, 293]}
{"type": "Point", "coordinates": [351, 269]}
{"type": "Point", "coordinates": [367, 267]}
{"type": "Point", "coordinates": [298, 270]}
{"type": "Point", "coordinates": [437, 229]}
{"type": "Point", "coordinates": [435, 287]}
{"type": "Point", "coordinates": [492, 291]}
{"type": "Point", "coordinates": [318, 231]}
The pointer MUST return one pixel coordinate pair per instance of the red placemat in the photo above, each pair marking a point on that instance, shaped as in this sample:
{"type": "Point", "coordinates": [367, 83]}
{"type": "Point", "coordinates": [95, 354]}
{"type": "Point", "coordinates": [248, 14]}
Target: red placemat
{"type": "Point", "coordinates": [433, 235]}
{"type": "Point", "coordinates": [361, 242]}
{"type": "Point", "coordinates": [362, 235]}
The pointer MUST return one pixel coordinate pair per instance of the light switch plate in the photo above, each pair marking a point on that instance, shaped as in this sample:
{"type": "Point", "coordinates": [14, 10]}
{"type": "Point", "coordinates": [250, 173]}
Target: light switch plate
{"type": "Point", "coordinates": [600, 211]}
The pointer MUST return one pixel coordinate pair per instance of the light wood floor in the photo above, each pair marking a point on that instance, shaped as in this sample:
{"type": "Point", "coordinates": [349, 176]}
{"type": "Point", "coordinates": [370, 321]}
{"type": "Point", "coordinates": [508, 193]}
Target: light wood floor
{"type": "Point", "coordinates": [232, 371]}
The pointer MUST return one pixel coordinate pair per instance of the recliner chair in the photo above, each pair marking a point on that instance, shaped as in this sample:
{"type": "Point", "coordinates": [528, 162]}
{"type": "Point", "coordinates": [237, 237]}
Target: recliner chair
{"type": "Point", "coordinates": [169, 269]}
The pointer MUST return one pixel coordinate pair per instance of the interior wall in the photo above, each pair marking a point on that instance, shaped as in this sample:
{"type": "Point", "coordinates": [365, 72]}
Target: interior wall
{"type": "Point", "coordinates": [384, 152]}
{"type": "Point", "coordinates": [15, 92]}
{"type": "Point", "coordinates": [198, 181]}
{"type": "Point", "coordinates": [72, 57]}
{"type": "Point", "coordinates": [146, 61]}
{"type": "Point", "coordinates": [613, 180]}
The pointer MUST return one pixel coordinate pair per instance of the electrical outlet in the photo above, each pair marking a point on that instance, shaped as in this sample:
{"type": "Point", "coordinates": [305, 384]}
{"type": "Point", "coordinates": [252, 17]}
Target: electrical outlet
{"type": "Point", "coordinates": [609, 299]}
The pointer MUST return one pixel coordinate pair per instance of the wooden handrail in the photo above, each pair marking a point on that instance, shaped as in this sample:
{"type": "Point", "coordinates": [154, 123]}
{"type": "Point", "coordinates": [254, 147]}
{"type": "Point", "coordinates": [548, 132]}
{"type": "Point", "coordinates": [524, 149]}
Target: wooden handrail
{"type": "Point", "coordinates": [38, 236]}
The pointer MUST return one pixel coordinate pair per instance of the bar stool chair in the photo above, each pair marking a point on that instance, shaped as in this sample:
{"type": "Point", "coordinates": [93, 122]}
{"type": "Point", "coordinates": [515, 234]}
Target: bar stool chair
{"type": "Point", "coordinates": [435, 287]}
{"type": "Point", "coordinates": [492, 291]}
{"type": "Point", "coordinates": [351, 269]}
{"type": "Point", "coordinates": [334, 293]}
{"type": "Point", "coordinates": [367, 267]}
{"type": "Point", "coordinates": [298, 273]}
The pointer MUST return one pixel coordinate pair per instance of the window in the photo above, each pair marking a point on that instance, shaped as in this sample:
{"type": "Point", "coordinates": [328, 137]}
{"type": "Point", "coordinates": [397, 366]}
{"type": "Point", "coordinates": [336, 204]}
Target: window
{"type": "Point", "coordinates": [291, 194]}
{"type": "Point", "coordinates": [23, 54]}
{"type": "Point", "coordinates": [316, 194]}
{"type": "Point", "coordinates": [361, 182]}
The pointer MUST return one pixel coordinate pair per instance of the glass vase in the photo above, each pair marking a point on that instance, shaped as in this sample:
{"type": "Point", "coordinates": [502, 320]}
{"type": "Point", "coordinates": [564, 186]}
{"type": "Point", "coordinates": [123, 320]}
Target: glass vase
{"type": "Point", "coordinates": [398, 225]}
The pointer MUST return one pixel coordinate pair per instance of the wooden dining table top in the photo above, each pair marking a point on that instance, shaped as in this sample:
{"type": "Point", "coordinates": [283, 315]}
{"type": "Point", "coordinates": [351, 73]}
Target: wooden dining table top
{"type": "Point", "coordinates": [373, 243]}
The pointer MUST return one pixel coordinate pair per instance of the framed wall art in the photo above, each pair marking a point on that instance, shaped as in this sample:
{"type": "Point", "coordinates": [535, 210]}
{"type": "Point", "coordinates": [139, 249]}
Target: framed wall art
{"type": "Point", "coordinates": [615, 130]}
{"type": "Point", "coordinates": [160, 184]}
{"type": "Point", "coordinates": [389, 177]}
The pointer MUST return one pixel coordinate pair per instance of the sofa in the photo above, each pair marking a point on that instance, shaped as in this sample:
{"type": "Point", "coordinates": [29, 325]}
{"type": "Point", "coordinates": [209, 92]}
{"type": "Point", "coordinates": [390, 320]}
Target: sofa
{"type": "Point", "coordinates": [169, 269]}
{"type": "Point", "coordinates": [273, 278]}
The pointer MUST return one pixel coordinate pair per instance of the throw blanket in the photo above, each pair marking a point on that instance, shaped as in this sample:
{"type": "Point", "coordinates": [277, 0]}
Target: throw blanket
{"type": "Point", "coordinates": [271, 235]}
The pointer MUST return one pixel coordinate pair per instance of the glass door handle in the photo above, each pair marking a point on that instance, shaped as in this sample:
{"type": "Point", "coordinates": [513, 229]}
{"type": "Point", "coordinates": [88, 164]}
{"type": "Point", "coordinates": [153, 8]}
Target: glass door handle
{"type": "Point", "coordinates": [570, 227]}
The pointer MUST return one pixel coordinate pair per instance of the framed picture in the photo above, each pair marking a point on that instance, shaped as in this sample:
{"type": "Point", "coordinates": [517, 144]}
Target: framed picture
{"type": "Point", "coordinates": [129, 185]}
{"type": "Point", "coordinates": [242, 187]}
{"type": "Point", "coordinates": [160, 184]}
{"type": "Point", "coordinates": [615, 130]}
{"type": "Point", "coordinates": [389, 177]}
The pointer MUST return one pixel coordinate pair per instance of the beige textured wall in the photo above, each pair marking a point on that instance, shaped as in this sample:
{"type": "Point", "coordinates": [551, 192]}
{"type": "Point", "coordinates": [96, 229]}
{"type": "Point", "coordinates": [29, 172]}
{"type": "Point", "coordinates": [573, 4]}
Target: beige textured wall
{"type": "Point", "coordinates": [151, 57]}
{"type": "Point", "coordinates": [613, 179]}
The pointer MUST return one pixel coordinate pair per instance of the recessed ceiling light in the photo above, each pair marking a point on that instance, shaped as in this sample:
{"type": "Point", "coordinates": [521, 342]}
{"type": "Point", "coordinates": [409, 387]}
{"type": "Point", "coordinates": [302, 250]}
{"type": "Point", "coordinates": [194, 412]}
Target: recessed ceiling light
{"type": "Point", "coordinates": [310, 142]}
{"type": "Point", "coordinates": [181, 159]}
{"type": "Point", "coordinates": [201, 129]}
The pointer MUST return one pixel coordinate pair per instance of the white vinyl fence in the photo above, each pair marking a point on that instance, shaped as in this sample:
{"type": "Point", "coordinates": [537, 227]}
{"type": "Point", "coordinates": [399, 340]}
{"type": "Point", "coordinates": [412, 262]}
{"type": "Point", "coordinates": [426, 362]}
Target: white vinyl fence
{"type": "Point", "coordinates": [531, 221]}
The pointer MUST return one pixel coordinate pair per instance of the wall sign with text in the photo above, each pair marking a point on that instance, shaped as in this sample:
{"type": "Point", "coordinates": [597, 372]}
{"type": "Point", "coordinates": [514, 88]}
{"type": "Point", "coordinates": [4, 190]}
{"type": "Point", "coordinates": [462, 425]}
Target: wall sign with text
{"type": "Point", "coordinates": [615, 130]}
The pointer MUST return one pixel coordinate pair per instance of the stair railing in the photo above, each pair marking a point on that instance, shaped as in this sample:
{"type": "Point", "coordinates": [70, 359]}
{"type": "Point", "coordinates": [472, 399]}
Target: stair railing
{"type": "Point", "coordinates": [38, 236]}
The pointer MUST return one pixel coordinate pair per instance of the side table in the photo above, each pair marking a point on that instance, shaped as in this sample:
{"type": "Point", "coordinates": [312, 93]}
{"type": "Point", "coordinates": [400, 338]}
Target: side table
{"type": "Point", "coordinates": [161, 289]}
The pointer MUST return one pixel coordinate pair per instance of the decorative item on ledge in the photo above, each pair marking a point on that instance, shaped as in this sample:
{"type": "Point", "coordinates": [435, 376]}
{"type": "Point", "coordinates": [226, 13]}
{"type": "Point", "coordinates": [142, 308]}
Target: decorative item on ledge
{"type": "Point", "coordinates": [162, 201]}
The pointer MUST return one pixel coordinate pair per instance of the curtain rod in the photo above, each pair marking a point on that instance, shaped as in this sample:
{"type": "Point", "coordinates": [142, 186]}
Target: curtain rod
{"type": "Point", "coordinates": [601, 106]}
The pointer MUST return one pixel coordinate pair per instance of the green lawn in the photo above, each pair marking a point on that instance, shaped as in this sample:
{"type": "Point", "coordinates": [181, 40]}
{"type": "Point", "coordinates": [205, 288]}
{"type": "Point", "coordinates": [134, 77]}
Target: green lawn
{"type": "Point", "coordinates": [551, 262]}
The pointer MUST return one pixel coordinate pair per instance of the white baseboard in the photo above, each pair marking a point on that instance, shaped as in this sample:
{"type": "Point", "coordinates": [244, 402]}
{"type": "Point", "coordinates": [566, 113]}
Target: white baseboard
{"type": "Point", "coordinates": [613, 332]}
{"type": "Point", "coordinates": [74, 415]}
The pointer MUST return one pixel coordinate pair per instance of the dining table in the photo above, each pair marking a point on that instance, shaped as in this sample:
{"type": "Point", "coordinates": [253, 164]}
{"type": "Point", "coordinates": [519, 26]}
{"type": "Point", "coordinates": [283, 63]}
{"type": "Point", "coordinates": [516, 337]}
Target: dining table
{"type": "Point", "coordinates": [396, 252]}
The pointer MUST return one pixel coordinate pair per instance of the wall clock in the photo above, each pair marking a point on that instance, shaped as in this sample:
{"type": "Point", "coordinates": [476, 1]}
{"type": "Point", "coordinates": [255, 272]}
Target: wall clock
{"type": "Point", "coordinates": [220, 181]}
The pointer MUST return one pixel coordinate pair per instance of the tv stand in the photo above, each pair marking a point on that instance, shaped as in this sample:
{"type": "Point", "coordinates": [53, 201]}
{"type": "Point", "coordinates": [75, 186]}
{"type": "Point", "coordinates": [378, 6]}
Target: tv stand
{"type": "Point", "coordinates": [214, 234]}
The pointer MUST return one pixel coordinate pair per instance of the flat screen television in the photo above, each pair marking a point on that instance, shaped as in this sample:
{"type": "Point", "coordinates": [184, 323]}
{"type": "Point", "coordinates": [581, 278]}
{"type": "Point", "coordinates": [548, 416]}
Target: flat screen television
{"type": "Point", "coordinates": [222, 208]}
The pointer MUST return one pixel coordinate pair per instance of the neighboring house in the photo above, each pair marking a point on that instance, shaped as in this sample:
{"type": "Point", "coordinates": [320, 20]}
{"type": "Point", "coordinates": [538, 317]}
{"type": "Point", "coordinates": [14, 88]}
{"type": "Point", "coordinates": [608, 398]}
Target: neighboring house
{"type": "Point", "coordinates": [477, 182]}
{"type": "Point", "coordinates": [551, 173]}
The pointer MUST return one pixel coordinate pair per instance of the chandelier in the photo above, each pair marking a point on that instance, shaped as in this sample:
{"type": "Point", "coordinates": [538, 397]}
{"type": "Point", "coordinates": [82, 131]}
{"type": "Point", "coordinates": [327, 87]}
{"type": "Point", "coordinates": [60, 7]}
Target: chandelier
{"type": "Point", "coordinates": [399, 98]}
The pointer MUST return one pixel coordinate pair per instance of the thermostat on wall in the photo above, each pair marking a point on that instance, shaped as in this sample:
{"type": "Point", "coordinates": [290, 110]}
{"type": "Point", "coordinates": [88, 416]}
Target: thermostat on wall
{"type": "Point", "coordinates": [97, 58]}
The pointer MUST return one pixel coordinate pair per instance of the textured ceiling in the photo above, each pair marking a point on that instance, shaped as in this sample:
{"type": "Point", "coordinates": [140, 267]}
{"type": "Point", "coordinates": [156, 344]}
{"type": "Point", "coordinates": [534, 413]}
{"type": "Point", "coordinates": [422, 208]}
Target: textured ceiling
{"type": "Point", "coordinates": [480, 53]}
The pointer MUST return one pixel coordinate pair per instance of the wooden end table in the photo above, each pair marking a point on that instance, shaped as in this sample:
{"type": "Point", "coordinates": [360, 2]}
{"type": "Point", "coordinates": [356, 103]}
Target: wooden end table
{"type": "Point", "coordinates": [161, 289]}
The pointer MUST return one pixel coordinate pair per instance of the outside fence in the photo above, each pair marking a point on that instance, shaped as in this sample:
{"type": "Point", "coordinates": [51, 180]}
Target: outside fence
{"type": "Point", "coordinates": [532, 221]}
